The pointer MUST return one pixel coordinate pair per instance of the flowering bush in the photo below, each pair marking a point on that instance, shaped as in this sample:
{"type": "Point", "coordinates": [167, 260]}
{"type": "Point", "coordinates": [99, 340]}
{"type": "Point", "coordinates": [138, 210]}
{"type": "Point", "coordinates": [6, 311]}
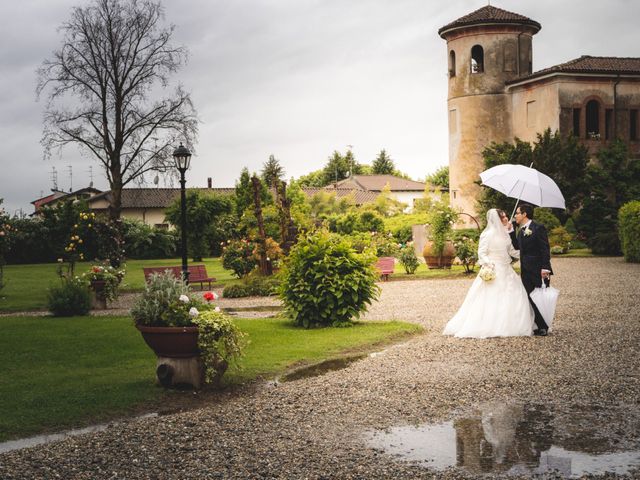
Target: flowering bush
{"type": "Point", "coordinates": [107, 274]}
{"type": "Point", "coordinates": [408, 258]}
{"type": "Point", "coordinates": [467, 252]}
{"type": "Point", "coordinates": [440, 221]}
{"type": "Point", "coordinates": [237, 255]}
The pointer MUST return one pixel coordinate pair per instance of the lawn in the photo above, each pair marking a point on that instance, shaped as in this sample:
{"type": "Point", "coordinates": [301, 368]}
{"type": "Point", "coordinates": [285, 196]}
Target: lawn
{"type": "Point", "coordinates": [67, 372]}
{"type": "Point", "coordinates": [26, 284]}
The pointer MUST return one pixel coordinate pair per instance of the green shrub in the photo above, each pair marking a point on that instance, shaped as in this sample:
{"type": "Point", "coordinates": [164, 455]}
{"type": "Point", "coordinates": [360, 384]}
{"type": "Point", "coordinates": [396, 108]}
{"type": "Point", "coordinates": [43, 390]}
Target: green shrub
{"type": "Point", "coordinates": [559, 237]}
{"type": "Point", "coordinates": [261, 286]}
{"type": "Point", "coordinates": [629, 230]}
{"type": "Point", "coordinates": [237, 255]}
{"type": "Point", "coordinates": [237, 290]}
{"type": "Point", "coordinates": [69, 298]}
{"type": "Point", "coordinates": [605, 243]}
{"type": "Point", "coordinates": [546, 217]}
{"type": "Point", "coordinates": [370, 222]}
{"type": "Point", "coordinates": [159, 296]}
{"type": "Point", "coordinates": [467, 252]}
{"type": "Point", "coordinates": [408, 259]}
{"type": "Point", "coordinates": [403, 234]}
{"type": "Point", "coordinates": [143, 241]}
{"type": "Point", "coordinates": [557, 250]}
{"type": "Point", "coordinates": [325, 282]}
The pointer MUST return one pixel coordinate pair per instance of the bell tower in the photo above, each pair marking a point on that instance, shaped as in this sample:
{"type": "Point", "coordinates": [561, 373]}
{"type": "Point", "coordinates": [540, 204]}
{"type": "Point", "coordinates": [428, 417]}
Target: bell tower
{"type": "Point", "coordinates": [485, 49]}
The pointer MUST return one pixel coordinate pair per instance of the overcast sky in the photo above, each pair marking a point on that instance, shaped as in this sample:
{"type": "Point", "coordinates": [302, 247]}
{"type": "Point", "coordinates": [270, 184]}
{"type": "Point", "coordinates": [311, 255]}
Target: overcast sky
{"type": "Point", "coordinates": [294, 78]}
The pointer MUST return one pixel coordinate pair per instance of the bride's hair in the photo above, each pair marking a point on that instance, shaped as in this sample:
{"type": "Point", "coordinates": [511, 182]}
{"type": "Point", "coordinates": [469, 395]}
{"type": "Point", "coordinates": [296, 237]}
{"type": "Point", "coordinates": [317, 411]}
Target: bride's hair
{"type": "Point", "coordinates": [494, 224]}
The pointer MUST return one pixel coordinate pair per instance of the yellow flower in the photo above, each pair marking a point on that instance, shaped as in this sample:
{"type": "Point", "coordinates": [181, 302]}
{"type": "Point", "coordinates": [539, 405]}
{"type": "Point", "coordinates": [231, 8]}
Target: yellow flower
{"type": "Point", "coordinates": [80, 241]}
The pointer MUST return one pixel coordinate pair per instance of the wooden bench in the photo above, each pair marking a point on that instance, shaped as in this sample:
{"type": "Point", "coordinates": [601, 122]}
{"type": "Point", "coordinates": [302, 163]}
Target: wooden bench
{"type": "Point", "coordinates": [197, 274]}
{"type": "Point", "coordinates": [385, 266]}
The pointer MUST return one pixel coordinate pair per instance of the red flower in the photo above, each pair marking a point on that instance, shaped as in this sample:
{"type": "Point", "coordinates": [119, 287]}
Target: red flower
{"type": "Point", "coordinates": [208, 296]}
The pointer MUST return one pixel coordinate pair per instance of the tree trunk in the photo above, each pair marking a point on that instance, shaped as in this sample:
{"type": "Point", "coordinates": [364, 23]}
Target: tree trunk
{"type": "Point", "coordinates": [263, 264]}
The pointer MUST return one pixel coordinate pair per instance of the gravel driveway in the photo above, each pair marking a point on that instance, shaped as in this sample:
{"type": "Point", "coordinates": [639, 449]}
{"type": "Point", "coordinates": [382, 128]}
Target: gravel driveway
{"type": "Point", "coordinates": [317, 427]}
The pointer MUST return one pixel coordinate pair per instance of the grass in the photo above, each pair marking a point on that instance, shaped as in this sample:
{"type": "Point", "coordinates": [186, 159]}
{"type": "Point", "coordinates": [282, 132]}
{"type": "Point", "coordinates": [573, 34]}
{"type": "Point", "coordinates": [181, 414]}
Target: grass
{"type": "Point", "coordinates": [67, 372]}
{"type": "Point", "coordinates": [26, 285]}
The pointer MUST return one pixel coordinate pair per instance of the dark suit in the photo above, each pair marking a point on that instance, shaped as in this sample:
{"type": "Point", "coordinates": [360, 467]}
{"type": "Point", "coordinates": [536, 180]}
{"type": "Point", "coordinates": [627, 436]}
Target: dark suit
{"type": "Point", "coordinates": [534, 256]}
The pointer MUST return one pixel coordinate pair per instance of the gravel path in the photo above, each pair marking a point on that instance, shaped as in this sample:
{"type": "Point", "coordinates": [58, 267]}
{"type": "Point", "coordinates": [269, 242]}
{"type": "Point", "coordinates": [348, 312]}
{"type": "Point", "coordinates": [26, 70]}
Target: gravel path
{"type": "Point", "coordinates": [316, 427]}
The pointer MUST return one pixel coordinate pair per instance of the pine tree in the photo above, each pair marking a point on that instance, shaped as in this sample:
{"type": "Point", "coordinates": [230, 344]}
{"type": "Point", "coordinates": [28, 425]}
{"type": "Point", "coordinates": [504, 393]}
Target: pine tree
{"type": "Point", "coordinates": [383, 164]}
{"type": "Point", "coordinates": [272, 171]}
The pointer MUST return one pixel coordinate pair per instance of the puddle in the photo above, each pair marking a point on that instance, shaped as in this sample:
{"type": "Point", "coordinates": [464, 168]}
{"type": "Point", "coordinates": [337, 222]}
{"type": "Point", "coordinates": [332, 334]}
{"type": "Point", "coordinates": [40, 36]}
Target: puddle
{"type": "Point", "coordinates": [520, 439]}
{"type": "Point", "coordinates": [54, 437]}
{"type": "Point", "coordinates": [321, 368]}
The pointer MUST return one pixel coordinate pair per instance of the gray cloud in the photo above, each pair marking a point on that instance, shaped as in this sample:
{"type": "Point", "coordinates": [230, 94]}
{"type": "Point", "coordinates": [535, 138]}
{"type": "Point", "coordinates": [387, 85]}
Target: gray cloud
{"type": "Point", "coordinates": [293, 78]}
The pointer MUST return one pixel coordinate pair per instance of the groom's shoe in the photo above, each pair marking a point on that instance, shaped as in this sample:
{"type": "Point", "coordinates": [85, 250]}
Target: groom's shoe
{"type": "Point", "coordinates": [541, 332]}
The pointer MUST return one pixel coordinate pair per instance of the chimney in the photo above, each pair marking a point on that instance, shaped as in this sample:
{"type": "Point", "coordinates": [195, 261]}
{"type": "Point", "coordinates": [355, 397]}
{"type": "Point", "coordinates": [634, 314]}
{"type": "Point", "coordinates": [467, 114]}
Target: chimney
{"type": "Point", "coordinates": [209, 182]}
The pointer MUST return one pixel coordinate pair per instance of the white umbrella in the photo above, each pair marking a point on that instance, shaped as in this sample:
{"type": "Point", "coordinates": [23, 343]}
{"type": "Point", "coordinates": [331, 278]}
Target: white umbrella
{"type": "Point", "coordinates": [524, 183]}
{"type": "Point", "coordinates": [545, 299]}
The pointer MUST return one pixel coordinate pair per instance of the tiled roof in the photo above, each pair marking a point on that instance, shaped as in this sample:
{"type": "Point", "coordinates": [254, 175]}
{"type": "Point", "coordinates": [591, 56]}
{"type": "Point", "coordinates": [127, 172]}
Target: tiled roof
{"type": "Point", "coordinates": [376, 183]}
{"type": "Point", "coordinates": [360, 196]}
{"type": "Point", "coordinates": [154, 197]}
{"type": "Point", "coordinates": [589, 64]}
{"type": "Point", "coordinates": [489, 14]}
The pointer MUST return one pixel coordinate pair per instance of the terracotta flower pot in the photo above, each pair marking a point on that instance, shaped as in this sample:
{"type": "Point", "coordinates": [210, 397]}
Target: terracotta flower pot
{"type": "Point", "coordinates": [439, 261]}
{"type": "Point", "coordinates": [172, 342]}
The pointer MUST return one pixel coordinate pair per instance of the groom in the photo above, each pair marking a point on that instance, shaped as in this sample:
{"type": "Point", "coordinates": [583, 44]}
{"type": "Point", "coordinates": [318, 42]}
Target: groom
{"type": "Point", "coordinates": [535, 263]}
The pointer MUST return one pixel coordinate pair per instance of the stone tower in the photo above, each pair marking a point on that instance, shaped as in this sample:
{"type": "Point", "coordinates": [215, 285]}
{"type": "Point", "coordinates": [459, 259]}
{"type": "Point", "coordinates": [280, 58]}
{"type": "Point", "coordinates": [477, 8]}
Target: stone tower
{"type": "Point", "coordinates": [485, 49]}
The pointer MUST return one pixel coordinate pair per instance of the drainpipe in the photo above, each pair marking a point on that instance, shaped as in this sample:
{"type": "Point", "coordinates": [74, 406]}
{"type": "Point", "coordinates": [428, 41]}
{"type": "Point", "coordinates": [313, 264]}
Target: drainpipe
{"type": "Point", "coordinates": [615, 107]}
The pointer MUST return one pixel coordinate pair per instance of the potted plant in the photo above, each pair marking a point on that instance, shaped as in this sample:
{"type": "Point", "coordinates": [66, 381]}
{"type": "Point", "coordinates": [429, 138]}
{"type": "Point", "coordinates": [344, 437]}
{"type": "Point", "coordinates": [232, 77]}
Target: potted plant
{"type": "Point", "coordinates": [193, 339]}
{"type": "Point", "coordinates": [439, 250]}
{"type": "Point", "coordinates": [104, 281]}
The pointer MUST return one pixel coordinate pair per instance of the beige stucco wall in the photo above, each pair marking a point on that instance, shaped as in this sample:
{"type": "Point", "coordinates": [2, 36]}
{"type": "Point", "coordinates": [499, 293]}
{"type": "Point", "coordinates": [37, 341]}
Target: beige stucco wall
{"type": "Point", "coordinates": [150, 216]}
{"type": "Point", "coordinates": [534, 109]}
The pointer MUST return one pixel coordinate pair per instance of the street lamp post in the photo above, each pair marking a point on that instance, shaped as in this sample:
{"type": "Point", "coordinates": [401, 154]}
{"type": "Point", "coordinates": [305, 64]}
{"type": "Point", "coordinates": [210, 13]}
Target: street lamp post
{"type": "Point", "coordinates": [182, 157]}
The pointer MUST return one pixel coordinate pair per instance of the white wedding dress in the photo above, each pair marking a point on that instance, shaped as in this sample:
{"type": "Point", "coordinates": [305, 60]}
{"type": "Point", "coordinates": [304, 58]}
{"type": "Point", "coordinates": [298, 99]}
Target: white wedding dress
{"type": "Point", "coordinates": [499, 307]}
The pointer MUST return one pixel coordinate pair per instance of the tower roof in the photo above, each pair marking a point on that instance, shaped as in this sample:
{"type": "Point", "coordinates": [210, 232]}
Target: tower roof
{"type": "Point", "coordinates": [489, 14]}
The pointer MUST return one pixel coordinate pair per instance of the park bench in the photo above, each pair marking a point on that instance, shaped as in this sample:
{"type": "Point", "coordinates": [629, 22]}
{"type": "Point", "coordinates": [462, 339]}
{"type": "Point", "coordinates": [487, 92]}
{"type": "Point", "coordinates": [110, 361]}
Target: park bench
{"type": "Point", "coordinates": [197, 274]}
{"type": "Point", "coordinates": [385, 266]}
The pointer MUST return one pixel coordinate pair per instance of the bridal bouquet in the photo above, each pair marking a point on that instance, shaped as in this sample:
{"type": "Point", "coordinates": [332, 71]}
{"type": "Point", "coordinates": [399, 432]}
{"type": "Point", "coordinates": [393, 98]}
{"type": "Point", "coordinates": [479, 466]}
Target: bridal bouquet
{"type": "Point", "coordinates": [487, 273]}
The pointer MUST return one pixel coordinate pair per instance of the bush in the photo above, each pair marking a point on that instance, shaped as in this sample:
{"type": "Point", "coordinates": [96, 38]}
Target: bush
{"type": "Point", "coordinates": [257, 286]}
{"type": "Point", "coordinates": [559, 237]}
{"type": "Point", "coordinates": [159, 295]}
{"type": "Point", "coordinates": [557, 250]}
{"type": "Point", "coordinates": [546, 218]}
{"type": "Point", "coordinates": [605, 243]}
{"type": "Point", "coordinates": [237, 255]}
{"type": "Point", "coordinates": [71, 297]}
{"type": "Point", "coordinates": [325, 282]}
{"type": "Point", "coordinates": [408, 259]}
{"type": "Point", "coordinates": [144, 242]}
{"type": "Point", "coordinates": [629, 230]}
{"type": "Point", "coordinates": [237, 290]}
{"type": "Point", "coordinates": [467, 252]}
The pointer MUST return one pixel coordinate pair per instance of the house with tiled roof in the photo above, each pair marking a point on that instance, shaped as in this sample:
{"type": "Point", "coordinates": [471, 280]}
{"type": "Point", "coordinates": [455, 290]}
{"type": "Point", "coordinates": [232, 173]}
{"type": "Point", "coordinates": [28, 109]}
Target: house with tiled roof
{"type": "Point", "coordinates": [401, 189]}
{"type": "Point", "coordinates": [58, 195]}
{"type": "Point", "coordinates": [495, 95]}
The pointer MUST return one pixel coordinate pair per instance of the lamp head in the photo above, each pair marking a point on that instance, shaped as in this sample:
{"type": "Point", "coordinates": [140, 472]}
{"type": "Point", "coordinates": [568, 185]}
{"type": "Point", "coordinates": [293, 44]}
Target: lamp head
{"type": "Point", "coordinates": [182, 157]}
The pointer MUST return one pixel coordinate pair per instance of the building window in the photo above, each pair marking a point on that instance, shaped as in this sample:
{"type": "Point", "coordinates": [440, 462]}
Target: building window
{"type": "Point", "coordinates": [593, 120]}
{"type": "Point", "coordinates": [452, 63]}
{"type": "Point", "coordinates": [477, 59]}
{"type": "Point", "coordinates": [608, 124]}
{"type": "Point", "coordinates": [633, 124]}
{"type": "Point", "coordinates": [531, 114]}
{"type": "Point", "coordinates": [576, 122]}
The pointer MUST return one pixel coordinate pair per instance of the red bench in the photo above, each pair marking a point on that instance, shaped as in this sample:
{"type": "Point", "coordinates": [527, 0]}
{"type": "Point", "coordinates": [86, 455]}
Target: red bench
{"type": "Point", "coordinates": [197, 274]}
{"type": "Point", "coordinates": [385, 266]}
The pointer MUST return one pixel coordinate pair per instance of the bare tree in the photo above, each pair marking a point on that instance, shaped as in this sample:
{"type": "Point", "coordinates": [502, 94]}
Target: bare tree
{"type": "Point", "coordinates": [104, 88]}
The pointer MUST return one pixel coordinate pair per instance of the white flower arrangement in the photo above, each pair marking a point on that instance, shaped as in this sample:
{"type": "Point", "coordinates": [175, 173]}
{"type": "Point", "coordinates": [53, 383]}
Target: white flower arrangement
{"type": "Point", "coordinates": [527, 232]}
{"type": "Point", "coordinates": [184, 299]}
{"type": "Point", "coordinates": [193, 312]}
{"type": "Point", "coordinates": [487, 272]}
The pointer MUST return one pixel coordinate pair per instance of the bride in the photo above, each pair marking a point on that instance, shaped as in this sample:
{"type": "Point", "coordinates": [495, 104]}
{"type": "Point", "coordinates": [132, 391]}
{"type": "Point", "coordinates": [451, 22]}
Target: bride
{"type": "Point", "coordinates": [498, 307]}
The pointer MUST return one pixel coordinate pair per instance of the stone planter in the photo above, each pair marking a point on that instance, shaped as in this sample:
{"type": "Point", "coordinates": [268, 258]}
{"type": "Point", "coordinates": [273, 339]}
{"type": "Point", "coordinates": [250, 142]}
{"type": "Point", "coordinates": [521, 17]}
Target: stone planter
{"type": "Point", "coordinates": [439, 261]}
{"type": "Point", "coordinates": [98, 297]}
{"type": "Point", "coordinates": [178, 355]}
